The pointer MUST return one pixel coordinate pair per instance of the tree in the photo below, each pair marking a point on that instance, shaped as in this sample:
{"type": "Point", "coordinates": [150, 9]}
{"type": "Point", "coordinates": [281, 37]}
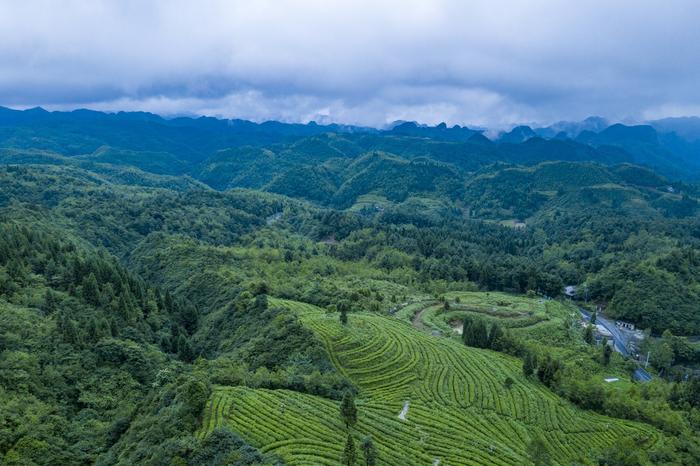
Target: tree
{"type": "Point", "coordinates": [588, 334]}
{"type": "Point", "coordinates": [92, 332]}
{"type": "Point", "coordinates": [467, 331]}
{"type": "Point", "coordinates": [188, 316]}
{"type": "Point", "coordinates": [538, 451]}
{"type": "Point", "coordinates": [50, 302]}
{"type": "Point", "coordinates": [222, 446]}
{"type": "Point", "coordinates": [69, 330]}
{"type": "Point", "coordinates": [348, 410]}
{"type": "Point", "coordinates": [508, 382]}
{"type": "Point", "coordinates": [548, 371]}
{"type": "Point", "coordinates": [481, 336]}
{"type": "Point", "coordinates": [624, 452]}
{"type": "Point", "coordinates": [113, 328]}
{"type": "Point", "coordinates": [150, 303]}
{"type": "Point", "coordinates": [17, 270]}
{"type": "Point", "coordinates": [607, 352]}
{"type": "Point", "coordinates": [475, 333]}
{"type": "Point", "coordinates": [496, 337]}
{"type": "Point", "coordinates": [662, 355]}
{"type": "Point", "coordinates": [126, 306]}
{"type": "Point", "coordinates": [594, 316]}
{"type": "Point", "coordinates": [260, 287]}
{"type": "Point", "coordinates": [91, 291]}
{"type": "Point", "coordinates": [184, 349]}
{"type": "Point", "coordinates": [343, 306]}
{"type": "Point", "coordinates": [691, 392]}
{"type": "Point", "coordinates": [168, 302]}
{"type": "Point", "coordinates": [193, 393]}
{"type": "Point", "coordinates": [529, 364]}
{"type": "Point", "coordinates": [349, 453]}
{"type": "Point", "coordinates": [369, 451]}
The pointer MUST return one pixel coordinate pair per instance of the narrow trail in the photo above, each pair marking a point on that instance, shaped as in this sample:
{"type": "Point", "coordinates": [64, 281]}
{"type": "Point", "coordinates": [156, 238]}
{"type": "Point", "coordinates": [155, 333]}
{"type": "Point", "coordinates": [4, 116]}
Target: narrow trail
{"type": "Point", "coordinates": [404, 411]}
{"type": "Point", "coordinates": [417, 320]}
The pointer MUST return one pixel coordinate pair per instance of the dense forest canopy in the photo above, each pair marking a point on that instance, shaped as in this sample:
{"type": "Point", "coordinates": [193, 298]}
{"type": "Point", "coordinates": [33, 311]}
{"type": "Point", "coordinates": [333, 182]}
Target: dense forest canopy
{"type": "Point", "coordinates": [606, 209]}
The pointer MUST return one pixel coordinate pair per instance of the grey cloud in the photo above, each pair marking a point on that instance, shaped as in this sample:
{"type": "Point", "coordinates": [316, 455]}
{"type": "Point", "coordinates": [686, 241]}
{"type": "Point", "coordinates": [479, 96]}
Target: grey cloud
{"type": "Point", "coordinates": [480, 62]}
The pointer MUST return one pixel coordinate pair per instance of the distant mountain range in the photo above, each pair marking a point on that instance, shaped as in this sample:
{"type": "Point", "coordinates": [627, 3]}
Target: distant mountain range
{"type": "Point", "coordinates": [670, 146]}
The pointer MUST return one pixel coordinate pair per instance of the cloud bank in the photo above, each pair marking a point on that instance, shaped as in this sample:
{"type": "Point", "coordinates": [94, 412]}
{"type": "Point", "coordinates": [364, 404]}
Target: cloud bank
{"type": "Point", "coordinates": [489, 63]}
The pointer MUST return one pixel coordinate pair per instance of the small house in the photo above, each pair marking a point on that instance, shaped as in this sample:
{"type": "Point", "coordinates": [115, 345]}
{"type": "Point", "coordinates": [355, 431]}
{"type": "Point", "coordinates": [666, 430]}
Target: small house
{"type": "Point", "coordinates": [570, 291]}
{"type": "Point", "coordinates": [624, 325]}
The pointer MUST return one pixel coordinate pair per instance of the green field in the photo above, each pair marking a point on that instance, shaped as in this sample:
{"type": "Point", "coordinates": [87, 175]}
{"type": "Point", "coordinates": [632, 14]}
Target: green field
{"type": "Point", "coordinates": [513, 310]}
{"type": "Point", "coordinates": [550, 324]}
{"type": "Point", "coordinates": [459, 410]}
{"type": "Point", "coordinates": [370, 201]}
{"type": "Point", "coordinates": [530, 318]}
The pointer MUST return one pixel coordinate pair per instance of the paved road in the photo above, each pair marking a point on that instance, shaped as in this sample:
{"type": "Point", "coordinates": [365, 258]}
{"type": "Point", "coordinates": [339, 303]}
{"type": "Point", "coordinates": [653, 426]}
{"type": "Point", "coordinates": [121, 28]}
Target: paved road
{"type": "Point", "coordinates": [619, 341]}
{"type": "Point", "coordinates": [642, 375]}
{"type": "Point", "coordinates": [618, 337]}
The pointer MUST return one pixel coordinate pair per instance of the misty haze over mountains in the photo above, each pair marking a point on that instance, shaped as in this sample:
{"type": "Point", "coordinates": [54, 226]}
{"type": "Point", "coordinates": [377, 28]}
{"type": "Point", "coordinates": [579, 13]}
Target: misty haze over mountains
{"type": "Point", "coordinates": [671, 146]}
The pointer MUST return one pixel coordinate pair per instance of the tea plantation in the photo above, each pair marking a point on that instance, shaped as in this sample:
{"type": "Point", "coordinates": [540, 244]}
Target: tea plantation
{"type": "Point", "coordinates": [459, 410]}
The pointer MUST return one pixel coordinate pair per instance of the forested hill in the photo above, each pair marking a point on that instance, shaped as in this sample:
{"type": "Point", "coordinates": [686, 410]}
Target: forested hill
{"type": "Point", "coordinates": [147, 263]}
{"type": "Point", "coordinates": [604, 202]}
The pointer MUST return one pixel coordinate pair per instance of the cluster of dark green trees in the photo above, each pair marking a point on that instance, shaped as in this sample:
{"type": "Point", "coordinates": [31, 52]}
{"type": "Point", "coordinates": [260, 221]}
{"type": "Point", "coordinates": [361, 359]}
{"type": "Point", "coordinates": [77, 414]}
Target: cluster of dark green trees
{"type": "Point", "coordinates": [476, 333]}
{"type": "Point", "coordinates": [113, 300]}
{"type": "Point", "coordinates": [348, 413]}
{"type": "Point", "coordinates": [109, 356]}
{"type": "Point", "coordinates": [80, 349]}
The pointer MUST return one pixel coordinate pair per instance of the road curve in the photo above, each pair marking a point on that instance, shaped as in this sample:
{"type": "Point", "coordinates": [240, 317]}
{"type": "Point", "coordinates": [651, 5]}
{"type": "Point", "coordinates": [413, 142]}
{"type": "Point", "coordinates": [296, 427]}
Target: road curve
{"type": "Point", "coordinates": [618, 341]}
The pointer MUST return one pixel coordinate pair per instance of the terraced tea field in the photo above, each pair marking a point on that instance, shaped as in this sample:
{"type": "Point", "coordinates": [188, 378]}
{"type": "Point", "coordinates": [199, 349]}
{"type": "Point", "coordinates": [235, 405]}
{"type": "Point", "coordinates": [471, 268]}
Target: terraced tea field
{"type": "Point", "coordinates": [532, 318]}
{"type": "Point", "coordinates": [459, 411]}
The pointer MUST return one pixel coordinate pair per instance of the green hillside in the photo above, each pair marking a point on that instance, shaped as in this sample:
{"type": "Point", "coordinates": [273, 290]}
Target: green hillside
{"type": "Point", "coordinates": [459, 411]}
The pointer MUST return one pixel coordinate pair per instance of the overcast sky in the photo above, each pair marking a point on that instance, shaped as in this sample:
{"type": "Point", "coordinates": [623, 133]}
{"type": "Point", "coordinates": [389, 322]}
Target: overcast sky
{"type": "Point", "coordinates": [486, 63]}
